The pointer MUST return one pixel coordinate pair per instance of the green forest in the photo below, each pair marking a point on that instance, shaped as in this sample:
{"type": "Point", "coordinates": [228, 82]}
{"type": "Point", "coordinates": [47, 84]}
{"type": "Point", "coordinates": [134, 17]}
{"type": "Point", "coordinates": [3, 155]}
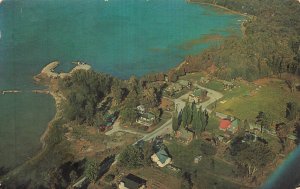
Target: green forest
{"type": "Point", "coordinates": [269, 45]}
{"type": "Point", "coordinates": [89, 96]}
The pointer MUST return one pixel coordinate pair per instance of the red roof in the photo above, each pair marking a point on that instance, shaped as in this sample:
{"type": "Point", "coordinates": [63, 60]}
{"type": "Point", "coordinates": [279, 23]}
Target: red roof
{"type": "Point", "coordinates": [225, 124]}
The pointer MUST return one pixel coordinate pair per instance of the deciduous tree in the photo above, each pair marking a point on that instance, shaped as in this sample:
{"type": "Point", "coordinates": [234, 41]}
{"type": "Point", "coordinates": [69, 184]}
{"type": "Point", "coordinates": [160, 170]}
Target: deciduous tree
{"type": "Point", "coordinates": [254, 156]}
{"type": "Point", "coordinates": [131, 157]}
{"type": "Point", "coordinates": [282, 131]}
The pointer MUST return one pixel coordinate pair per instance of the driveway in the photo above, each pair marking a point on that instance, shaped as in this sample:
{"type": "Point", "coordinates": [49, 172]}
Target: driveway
{"type": "Point", "coordinates": [213, 97]}
{"type": "Point", "coordinates": [166, 128]}
{"type": "Point", "coordinates": [117, 128]}
{"type": "Point", "coordinates": [180, 103]}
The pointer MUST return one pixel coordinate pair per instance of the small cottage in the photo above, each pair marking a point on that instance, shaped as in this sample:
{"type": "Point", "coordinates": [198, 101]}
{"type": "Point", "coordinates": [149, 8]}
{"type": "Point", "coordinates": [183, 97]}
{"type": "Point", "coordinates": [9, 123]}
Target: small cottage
{"type": "Point", "coordinates": [174, 87]}
{"type": "Point", "coordinates": [141, 109]}
{"type": "Point", "coordinates": [198, 95]}
{"type": "Point", "coordinates": [197, 159]}
{"type": "Point", "coordinates": [228, 85]}
{"type": "Point", "coordinates": [230, 125]}
{"type": "Point", "coordinates": [132, 182]}
{"type": "Point", "coordinates": [161, 157]}
{"type": "Point", "coordinates": [184, 83]}
{"type": "Point", "coordinates": [146, 119]}
{"type": "Point", "coordinates": [203, 80]}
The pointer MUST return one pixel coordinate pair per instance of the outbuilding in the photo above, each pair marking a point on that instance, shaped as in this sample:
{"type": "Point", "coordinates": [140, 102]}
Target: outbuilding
{"type": "Point", "coordinates": [132, 182]}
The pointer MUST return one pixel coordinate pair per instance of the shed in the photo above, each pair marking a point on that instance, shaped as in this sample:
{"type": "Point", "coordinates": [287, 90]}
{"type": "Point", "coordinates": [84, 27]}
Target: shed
{"type": "Point", "coordinates": [132, 182]}
{"type": "Point", "coordinates": [234, 126]}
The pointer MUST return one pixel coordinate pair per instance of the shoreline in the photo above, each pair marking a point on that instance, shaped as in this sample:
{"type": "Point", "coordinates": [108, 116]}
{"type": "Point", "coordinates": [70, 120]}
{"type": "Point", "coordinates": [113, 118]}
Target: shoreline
{"type": "Point", "coordinates": [48, 73]}
{"type": "Point", "coordinates": [58, 98]}
{"type": "Point", "coordinates": [242, 27]}
{"type": "Point", "coordinates": [219, 7]}
{"type": "Point", "coordinates": [57, 95]}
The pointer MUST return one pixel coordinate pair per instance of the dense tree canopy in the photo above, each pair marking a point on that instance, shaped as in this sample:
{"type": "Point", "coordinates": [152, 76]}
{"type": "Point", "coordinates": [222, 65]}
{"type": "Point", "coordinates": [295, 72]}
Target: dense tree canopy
{"type": "Point", "coordinates": [83, 91]}
{"type": "Point", "coordinates": [91, 170]}
{"type": "Point", "coordinates": [252, 156]}
{"type": "Point", "coordinates": [86, 90]}
{"type": "Point", "coordinates": [131, 157]}
{"type": "Point", "coordinates": [269, 45]}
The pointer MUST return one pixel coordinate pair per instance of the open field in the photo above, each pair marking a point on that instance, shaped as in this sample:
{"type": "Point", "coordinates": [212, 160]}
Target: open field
{"type": "Point", "coordinates": [215, 85]}
{"type": "Point", "coordinates": [246, 101]}
{"type": "Point", "coordinates": [192, 76]}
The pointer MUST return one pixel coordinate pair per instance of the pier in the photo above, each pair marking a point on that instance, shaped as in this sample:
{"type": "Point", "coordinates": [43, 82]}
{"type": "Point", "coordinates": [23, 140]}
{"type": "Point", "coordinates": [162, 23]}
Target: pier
{"type": "Point", "coordinates": [37, 91]}
{"type": "Point", "coordinates": [10, 91]}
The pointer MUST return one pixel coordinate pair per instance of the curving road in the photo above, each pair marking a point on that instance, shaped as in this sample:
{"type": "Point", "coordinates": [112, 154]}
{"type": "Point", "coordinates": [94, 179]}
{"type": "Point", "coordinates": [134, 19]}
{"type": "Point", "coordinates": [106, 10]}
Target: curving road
{"type": "Point", "coordinates": [167, 127]}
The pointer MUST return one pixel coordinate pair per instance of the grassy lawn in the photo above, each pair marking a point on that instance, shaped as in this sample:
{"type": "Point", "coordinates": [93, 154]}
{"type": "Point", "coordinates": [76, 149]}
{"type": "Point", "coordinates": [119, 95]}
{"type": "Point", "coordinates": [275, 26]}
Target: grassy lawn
{"type": "Point", "coordinates": [245, 102]}
{"type": "Point", "coordinates": [180, 93]}
{"type": "Point", "coordinates": [215, 85]}
{"type": "Point", "coordinates": [164, 118]}
{"type": "Point", "coordinates": [241, 89]}
{"type": "Point", "coordinates": [192, 76]}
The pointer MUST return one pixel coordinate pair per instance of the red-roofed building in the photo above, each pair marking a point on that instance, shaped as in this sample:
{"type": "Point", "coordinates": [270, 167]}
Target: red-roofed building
{"type": "Point", "coordinates": [224, 124]}
{"type": "Point", "coordinates": [229, 125]}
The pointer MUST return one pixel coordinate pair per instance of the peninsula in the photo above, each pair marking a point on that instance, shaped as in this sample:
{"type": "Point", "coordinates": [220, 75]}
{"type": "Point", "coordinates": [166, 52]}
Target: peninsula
{"type": "Point", "coordinates": [224, 118]}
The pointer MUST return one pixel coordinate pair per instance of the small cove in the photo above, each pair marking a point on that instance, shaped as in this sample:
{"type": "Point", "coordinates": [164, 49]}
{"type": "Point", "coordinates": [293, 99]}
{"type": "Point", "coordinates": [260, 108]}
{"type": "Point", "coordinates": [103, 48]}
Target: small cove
{"type": "Point", "coordinates": [122, 38]}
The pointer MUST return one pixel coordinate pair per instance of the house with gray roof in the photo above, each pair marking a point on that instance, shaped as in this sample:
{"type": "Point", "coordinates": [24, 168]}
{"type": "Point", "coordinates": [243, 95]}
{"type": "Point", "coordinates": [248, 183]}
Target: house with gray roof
{"type": "Point", "coordinates": [146, 119]}
{"type": "Point", "coordinates": [132, 182]}
{"type": "Point", "coordinates": [198, 95]}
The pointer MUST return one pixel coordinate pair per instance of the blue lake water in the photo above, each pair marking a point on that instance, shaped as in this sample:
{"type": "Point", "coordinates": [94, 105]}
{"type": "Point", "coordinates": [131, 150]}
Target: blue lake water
{"type": "Point", "coordinates": [120, 37]}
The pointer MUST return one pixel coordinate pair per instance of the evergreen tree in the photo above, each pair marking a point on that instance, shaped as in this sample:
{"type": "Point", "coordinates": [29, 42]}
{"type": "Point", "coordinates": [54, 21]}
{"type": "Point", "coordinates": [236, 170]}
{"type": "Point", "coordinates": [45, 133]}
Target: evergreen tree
{"type": "Point", "coordinates": [196, 123]}
{"type": "Point", "coordinates": [200, 120]}
{"type": "Point", "coordinates": [203, 119]}
{"type": "Point", "coordinates": [175, 123]}
{"type": "Point", "coordinates": [263, 120]}
{"type": "Point", "coordinates": [185, 115]}
{"type": "Point", "coordinates": [189, 114]}
{"type": "Point", "coordinates": [192, 110]}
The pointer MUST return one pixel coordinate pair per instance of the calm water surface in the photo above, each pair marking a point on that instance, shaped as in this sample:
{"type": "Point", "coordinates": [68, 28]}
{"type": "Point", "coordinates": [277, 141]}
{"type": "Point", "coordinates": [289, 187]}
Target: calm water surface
{"type": "Point", "coordinates": [120, 37]}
